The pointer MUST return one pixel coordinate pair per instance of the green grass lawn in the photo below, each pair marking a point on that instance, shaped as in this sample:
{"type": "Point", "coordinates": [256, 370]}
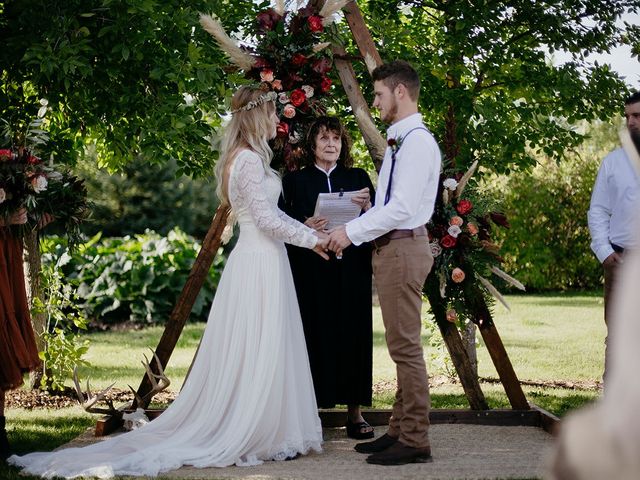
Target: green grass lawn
{"type": "Point", "coordinates": [548, 337]}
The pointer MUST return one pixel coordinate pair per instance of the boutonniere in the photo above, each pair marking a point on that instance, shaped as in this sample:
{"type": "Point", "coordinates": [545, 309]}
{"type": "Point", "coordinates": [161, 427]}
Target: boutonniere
{"type": "Point", "coordinates": [394, 144]}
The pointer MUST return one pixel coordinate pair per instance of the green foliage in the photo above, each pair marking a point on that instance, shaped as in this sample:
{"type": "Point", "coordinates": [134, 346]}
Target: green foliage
{"type": "Point", "coordinates": [63, 346]}
{"type": "Point", "coordinates": [145, 197]}
{"type": "Point", "coordinates": [548, 244]}
{"type": "Point", "coordinates": [130, 77]}
{"type": "Point", "coordinates": [489, 90]}
{"type": "Point", "coordinates": [136, 279]}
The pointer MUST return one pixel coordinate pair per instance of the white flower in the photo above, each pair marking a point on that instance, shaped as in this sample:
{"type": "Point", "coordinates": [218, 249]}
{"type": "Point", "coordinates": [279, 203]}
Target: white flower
{"type": "Point", "coordinates": [295, 138]}
{"type": "Point", "coordinates": [39, 183]}
{"type": "Point", "coordinates": [436, 249]}
{"type": "Point", "coordinates": [454, 231]}
{"type": "Point", "coordinates": [188, 99]}
{"type": "Point", "coordinates": [3, 195]}
{"type": "Point", "coordinates": [450, 184]}
{"type": "Point", "coordinates": [308, 90]}
{"type": "Point", "coordinates": [283, 98]}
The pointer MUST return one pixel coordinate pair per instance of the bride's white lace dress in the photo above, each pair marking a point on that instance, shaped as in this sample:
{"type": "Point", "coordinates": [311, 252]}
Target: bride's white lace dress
{"type": "Point", "coordinates": [249, 396]}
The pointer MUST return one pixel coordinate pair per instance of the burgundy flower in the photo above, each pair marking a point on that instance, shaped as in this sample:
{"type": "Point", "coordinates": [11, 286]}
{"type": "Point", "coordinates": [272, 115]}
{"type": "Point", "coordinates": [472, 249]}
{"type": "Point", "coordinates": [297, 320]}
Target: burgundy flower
{"type": "Point", "coordinates": [315, 23]}
{"type": "Point", "coordinates": [325, 85]}
{"type": "Point", "coordinates": [298, 59]}
{"type": "Point", "coordinates": [267, 19]}
{"type": "Point", "coordinates": [33, 160]}
{"type": "Point", "coordinates": [322, 65]}
{"type": "Point", "coordinates": [297, 97]}
{"type": "Point", "coordinates": [448, 241]}
{"type": "Point", "coordinates": [499, 219]}
{"type": "Point", "coordinates": [464, 207]}
{"type": "Point", "coordinates": [391, 142]}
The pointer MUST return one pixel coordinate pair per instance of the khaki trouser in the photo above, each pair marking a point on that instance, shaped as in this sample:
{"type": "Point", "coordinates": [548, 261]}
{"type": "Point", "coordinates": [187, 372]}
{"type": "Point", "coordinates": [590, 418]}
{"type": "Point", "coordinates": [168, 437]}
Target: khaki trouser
{"type": "Point", "coordinates": [400, 269]}
{"type": "Point", "coordinates": [611, 273]}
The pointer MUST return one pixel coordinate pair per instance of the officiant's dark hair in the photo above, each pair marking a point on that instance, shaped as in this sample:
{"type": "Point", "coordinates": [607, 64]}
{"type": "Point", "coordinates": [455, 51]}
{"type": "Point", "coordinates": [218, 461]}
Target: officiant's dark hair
{"type": "Point", "coordinates": [331, 124]}
{"type": "Point", "coordinates": [398, 72]}
{"type": "Point", "coordinates": [633, 98]}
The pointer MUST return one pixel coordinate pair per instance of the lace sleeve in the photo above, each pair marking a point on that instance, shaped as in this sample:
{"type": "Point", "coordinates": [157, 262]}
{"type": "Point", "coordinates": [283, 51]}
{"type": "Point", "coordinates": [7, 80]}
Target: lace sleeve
{"type": "Point", "coordinates": [250, 180]}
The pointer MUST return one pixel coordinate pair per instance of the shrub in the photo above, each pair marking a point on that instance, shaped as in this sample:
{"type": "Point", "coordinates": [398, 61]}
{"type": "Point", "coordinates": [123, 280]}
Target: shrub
{"type": "Point", "coordinates": [137, 279]}
{"type": "Point", "coordinates": [548, 244]}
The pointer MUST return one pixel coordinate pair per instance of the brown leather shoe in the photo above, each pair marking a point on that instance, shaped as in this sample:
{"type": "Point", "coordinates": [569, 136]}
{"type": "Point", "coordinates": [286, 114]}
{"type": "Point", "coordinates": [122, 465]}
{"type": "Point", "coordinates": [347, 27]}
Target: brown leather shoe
{"type": "Point", "coordinates": [401, 454]}
{"type": "Point", "coordinates": [377, 445]}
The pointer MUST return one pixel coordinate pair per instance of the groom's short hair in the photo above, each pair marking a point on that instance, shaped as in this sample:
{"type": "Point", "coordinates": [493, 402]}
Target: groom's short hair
{"type": "Point", "coordinates": [398, 72]}
{"type": "Point", "coordinates": [633, 98]}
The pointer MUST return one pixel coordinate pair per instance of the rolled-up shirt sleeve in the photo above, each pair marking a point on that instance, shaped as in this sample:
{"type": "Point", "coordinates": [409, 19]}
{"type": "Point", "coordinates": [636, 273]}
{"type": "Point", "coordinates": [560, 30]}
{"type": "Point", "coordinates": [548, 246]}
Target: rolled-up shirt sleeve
{"type": "Point", "coordinates": [599, 215]}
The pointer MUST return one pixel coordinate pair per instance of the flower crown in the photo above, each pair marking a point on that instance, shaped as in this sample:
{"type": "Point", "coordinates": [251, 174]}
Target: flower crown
{"type": "Point", "coordinates": [265, 97]}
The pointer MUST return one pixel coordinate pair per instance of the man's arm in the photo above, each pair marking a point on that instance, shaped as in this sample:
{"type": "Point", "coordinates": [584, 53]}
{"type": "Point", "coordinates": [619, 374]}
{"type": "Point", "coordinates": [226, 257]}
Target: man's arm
{"type": "Point", "coordinates": [599, 215]}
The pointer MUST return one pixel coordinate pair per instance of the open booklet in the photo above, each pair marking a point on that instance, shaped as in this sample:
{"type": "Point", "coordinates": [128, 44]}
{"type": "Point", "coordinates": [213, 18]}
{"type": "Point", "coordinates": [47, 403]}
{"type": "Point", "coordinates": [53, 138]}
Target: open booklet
{"type": "Point", "coordinates": [337, 208]}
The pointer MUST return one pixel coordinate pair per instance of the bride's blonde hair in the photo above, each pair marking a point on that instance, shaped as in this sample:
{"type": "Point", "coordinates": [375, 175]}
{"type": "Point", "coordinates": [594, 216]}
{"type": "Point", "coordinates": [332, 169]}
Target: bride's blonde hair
{"type": "Point", "coordinates": [250, 127]}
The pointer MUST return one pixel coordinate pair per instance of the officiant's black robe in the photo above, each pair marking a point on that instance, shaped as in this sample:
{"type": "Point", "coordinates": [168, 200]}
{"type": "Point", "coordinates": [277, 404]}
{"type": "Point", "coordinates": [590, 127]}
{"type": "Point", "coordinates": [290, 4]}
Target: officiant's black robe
{"type": "Point", "coordinates": [334, 295]}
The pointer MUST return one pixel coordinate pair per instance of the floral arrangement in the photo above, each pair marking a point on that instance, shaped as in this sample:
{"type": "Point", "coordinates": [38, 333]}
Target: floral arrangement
{"type": "Point", "coordinates": [26, 181]}
{"type": "Point", "coordinates": [288, 58]}
{"type": "Point", "coordinates": [465, 258]}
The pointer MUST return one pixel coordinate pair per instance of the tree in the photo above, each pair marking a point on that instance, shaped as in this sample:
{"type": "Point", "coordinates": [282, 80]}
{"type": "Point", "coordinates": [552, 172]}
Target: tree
{"type": "Point", "coordinates": [489, 91]}
{"type": "Point", "coordinates": [132, 77]}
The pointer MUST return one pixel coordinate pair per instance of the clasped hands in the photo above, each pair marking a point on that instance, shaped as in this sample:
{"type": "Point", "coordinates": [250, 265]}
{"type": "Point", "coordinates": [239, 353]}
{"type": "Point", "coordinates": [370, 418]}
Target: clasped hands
{"type": "Point", "coordinates": [335, 239]}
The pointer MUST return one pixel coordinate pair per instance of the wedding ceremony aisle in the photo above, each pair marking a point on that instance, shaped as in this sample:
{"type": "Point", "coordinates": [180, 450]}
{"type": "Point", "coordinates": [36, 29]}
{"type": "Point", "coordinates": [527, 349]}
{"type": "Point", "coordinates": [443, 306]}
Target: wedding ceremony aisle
{"type": "Point", "coordinates": [459, 452]}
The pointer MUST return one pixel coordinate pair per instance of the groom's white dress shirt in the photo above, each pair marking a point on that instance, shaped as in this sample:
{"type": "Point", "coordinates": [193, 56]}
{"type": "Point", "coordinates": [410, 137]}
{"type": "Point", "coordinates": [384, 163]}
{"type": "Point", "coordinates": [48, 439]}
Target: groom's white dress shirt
{"type": "Point", "coordinates": [413, 188]}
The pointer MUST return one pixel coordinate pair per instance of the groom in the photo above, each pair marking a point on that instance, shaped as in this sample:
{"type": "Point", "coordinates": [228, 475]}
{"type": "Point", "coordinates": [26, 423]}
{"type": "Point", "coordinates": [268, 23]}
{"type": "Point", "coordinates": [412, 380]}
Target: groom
{"type": "Point", "coordinates": [405, 197]}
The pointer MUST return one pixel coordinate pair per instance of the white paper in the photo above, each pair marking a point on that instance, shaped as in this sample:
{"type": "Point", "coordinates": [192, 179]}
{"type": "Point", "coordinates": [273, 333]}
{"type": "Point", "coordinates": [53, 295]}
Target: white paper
{"type": "Point", "coordinates": [337, 208]}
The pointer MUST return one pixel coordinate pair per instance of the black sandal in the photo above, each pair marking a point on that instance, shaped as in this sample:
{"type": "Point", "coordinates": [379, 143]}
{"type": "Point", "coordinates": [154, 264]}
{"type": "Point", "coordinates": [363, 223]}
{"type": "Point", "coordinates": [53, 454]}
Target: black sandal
{"type": "Point", "coordinates": [354, 430]}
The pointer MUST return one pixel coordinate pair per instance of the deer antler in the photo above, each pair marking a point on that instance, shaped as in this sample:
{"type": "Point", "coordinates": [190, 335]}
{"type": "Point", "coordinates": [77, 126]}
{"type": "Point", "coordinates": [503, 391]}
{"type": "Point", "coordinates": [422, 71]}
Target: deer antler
{"type": "Point", "coordinates": [159, 382]}
{"type": "Point", "coordinates": [91, 400]}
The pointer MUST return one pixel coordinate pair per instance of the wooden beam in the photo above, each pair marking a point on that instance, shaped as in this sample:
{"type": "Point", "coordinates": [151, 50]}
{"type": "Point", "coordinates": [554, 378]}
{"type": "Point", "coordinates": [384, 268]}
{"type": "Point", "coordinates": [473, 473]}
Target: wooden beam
{"type": "Point", "coordinates": [460, 359]}
{"type": "Point", "coordinates": [187, 298]}
{"type": "Point", "coordinates": [503, 366]}
{"type": "Point", "coordinates": [362, 34]}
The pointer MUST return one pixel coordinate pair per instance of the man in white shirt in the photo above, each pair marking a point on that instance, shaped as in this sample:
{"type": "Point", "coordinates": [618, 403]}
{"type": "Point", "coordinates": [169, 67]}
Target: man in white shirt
{"type": "Point", "coordinates": [614, 204]}
{"type": "Point", "coordinates": [405, 198]}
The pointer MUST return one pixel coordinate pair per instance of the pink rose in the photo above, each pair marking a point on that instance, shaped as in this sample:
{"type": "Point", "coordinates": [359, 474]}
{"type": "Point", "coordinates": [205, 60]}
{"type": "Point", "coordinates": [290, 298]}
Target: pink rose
{"type": "Point", "coordinates": [277, 84]}
{"type": "Point", "coordinates": [266, 75]}
{"type": "Point", "coordinates": [472, 228]}
{"type": "Point", "coordinates": [457, 275]}
{"type": "Point", "coordinates": [456, 220]}
{"type": "Point", "coordinates": [452, 315]}
{"type": "Point", "coordinates": [289, 111]}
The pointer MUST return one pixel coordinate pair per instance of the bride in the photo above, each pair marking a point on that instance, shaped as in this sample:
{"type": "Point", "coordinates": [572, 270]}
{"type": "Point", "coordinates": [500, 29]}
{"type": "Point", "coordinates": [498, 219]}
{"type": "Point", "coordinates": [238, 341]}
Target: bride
{"type": "Point", "coordinates": [249, 396]}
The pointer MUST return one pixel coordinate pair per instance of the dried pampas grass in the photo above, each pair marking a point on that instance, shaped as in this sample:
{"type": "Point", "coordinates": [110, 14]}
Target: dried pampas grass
{"type": "Point", "coordinates": [493, 291]}
{"type": "Point", "coordinates": [212, 25]}
{"type": "Point", "coordinates": [465, 178]}
{"type": "Point", "coordinates": [507, 278]}
{"type": "Point", "coordinates": [330, 8]}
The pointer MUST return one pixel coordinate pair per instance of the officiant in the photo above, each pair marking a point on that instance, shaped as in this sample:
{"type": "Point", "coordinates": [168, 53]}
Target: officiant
{"type": "Point", "coordinates": [334, 296]}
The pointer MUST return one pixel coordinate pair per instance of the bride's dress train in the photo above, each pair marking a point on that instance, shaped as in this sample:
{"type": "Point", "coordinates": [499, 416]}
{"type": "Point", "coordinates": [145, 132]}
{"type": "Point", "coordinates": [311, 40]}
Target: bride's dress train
{"type": "Point", "coordinates": [249, 396]}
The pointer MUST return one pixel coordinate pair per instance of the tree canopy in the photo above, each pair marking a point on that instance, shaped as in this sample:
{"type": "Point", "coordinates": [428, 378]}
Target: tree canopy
{"type": "Point", "coordinates": [490, 91]}
{"type": "Point", "coordinates": [140, 78]}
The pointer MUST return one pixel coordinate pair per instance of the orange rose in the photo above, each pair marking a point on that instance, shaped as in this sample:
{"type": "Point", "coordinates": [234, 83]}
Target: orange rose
{"type": "Point", "coordinates": [457, 275]}
{"type": "Point", "coordinates": [456, 221]}
{"type": "Point", "coordinates": [472, 228]}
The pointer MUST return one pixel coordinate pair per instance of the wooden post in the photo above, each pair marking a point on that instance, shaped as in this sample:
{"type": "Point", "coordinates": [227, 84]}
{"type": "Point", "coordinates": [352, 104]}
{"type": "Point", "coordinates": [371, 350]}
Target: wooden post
{"type": "Point", "coordinates": [504, 368]}
{"type": "Point", "coordinates": [361, 34]}
{"type": "Point", "coordinates": [187, 298]}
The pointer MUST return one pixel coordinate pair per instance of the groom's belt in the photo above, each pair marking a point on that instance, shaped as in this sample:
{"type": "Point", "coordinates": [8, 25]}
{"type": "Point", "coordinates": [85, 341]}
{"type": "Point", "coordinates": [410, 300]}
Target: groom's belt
{"type": "Point", "coordinates": [383, 240]}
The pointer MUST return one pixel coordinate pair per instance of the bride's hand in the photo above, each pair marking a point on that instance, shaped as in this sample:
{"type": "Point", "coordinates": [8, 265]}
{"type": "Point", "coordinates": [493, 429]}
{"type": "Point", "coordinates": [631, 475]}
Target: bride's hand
{"type": "Point", "coordinates": [322, 245]}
